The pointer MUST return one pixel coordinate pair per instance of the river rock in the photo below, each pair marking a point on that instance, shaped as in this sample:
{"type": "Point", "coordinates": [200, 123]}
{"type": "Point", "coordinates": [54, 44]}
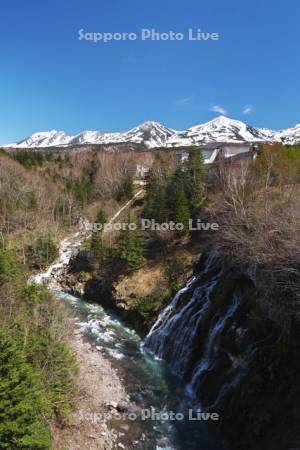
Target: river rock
{"type": "Point", "coordinates": [112, 404]}
{"type": "Point", "coordinates": [122, 406]}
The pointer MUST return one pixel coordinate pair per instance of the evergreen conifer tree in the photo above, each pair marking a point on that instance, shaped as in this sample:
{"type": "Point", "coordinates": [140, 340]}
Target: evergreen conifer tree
{"type": "Point", "coordinates": [178, 204]}
{"type": "Point", "coordinates": [22, 404]}
{"type": "Point", "coordinates": [131, 245]}
{"type": "Point", "coordinates": [194, 178]}
{"type": "Point", "coordinates": [155, 203]}
{"type": "Point", "coordinates": [97, 244]}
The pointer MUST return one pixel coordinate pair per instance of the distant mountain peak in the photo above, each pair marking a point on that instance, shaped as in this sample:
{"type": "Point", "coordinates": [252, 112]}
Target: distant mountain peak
{"type": "Point", "coordinates": [150, 124]}
{"type": "Point", "coordinates": [221, 120]}
{"type": "Point", "coordinates": [152, 134]}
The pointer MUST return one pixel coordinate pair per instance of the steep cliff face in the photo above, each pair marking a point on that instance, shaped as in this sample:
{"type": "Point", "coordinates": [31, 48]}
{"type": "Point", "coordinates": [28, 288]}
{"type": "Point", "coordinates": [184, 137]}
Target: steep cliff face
{"type": "Point", "coordinates": [138, 295]}
{"type": "Point", "coordinates": [233, 357]}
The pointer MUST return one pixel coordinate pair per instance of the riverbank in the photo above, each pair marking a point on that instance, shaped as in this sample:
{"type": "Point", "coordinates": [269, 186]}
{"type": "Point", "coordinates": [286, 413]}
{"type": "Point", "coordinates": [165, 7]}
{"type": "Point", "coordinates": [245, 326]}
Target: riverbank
{"type": "Point", "coordinates": [99, 390]}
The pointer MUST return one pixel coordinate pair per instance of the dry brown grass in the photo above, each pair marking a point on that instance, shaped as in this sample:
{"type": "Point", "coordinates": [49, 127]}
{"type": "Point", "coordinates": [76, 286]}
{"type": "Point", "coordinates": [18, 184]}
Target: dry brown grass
{"type": "Point", "coordinates": [147, 281]}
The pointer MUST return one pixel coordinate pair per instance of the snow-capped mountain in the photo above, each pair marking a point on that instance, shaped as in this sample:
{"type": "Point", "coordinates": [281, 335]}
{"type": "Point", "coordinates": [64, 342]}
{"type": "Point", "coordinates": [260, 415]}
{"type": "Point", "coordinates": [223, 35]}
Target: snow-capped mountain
{"type": "Point", "coordinates": [155, 135]}
{"type": "Point", "coordinates": [290, 136]}
{"type": "Point", "coordinates": [221, 129]}
{"type": "Point", "coordinates": [150, 134]}
{"type": "Point", "coordinates": [44, 139]}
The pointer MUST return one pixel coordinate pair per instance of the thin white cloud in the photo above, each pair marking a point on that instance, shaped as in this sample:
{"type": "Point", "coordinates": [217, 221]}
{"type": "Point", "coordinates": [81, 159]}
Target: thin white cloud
{"type": "Point", "coordinates": [247, 109]}
{"type": "Point", "coordinates": [184, 100]}
{"type": "Point", "coordinates": [218, 109]}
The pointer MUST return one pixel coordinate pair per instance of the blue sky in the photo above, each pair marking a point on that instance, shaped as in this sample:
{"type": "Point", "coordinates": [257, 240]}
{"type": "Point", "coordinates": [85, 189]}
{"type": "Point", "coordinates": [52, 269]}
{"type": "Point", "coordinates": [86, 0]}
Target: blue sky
{"type": "Point", "coordinates": [52, 80]}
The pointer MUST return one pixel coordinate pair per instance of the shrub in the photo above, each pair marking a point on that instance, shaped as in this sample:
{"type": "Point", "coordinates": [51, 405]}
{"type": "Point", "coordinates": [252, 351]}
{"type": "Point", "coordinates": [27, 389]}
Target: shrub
{"type": "Point", "coordinates": [29, 158]}
{"type": "Point", "coordinates": [125, 190]}
{"type": "Point", "coordinates": [149, 306]}
{"type": "Point", "coordinates": [10, 266]}
{"type": "Point", "coordinates": [41, 252]}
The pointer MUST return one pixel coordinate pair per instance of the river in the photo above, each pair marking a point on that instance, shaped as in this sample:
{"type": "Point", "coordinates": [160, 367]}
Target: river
{"type": "Point", "coordinates": [147, 380]}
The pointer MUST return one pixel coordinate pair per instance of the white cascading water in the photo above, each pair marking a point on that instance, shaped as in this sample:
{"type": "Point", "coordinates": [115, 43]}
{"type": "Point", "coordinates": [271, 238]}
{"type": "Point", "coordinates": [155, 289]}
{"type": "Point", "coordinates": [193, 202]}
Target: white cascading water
{"type": "Point", "coordinates": [67, 248]}
{"type": "Point", "coordinates": [178, 337]}
{"type": "Point", "coordinates": [211, 346]}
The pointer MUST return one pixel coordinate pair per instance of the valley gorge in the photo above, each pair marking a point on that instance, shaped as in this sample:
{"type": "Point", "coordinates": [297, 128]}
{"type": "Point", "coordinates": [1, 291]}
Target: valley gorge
{"type": "Point", "coordinates": [229, 356]}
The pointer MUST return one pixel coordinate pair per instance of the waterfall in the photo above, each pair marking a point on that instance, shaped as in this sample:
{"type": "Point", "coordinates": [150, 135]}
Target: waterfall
{"type": "Point", "coordinates": [211, 347]}
{"type": "Point", "coordinates": [174, 334]}
{"type": "Point", "coordinates": [189, 331]}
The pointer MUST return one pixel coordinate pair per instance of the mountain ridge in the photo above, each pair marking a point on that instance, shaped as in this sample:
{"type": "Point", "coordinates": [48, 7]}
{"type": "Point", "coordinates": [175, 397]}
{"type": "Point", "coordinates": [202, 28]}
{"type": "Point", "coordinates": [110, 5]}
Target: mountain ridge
{"type": "Point", "coordinates": [153, 134]}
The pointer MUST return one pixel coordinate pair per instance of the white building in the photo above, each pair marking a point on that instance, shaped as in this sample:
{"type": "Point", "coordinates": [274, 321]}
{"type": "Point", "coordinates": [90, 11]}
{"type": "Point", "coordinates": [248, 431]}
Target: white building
{"type": "Point", "coordinates": [214, 152]}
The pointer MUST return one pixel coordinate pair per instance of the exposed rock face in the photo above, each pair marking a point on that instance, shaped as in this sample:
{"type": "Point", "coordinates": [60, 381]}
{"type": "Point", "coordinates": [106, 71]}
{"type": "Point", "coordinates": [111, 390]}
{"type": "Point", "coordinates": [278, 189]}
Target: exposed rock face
{"type": "Point", "coordinates": [103, 286]}
{"type": "Point", "coordinates": [231, 355]}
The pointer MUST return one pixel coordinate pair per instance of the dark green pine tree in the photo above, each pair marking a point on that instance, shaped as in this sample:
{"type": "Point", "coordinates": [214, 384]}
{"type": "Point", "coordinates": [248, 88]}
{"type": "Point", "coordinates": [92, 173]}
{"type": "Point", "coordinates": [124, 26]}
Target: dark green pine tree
{"type": "Point", "coordinates": [195, 171]}
{"type": "Point", "coordinates": [125, 190]}
{"type": "Point", "coordinates": [131, 246]}
{"type": "Point", "coordinates": [155, 202]}
{"type": "Point", "coordinates": [160, 212]}
{"type": "Point", "coordinates": [22, 405]}
{"type": "Point", "coordinates": [128, 188]}
{"type": "Point", "coordinates": [151, 189]}
{"type": "Point", "coordinates": [97, 244]}
{"type": "Point", "coordinates": [181, 210]}
{"type": "Point", "coordinates": [178, 204]}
